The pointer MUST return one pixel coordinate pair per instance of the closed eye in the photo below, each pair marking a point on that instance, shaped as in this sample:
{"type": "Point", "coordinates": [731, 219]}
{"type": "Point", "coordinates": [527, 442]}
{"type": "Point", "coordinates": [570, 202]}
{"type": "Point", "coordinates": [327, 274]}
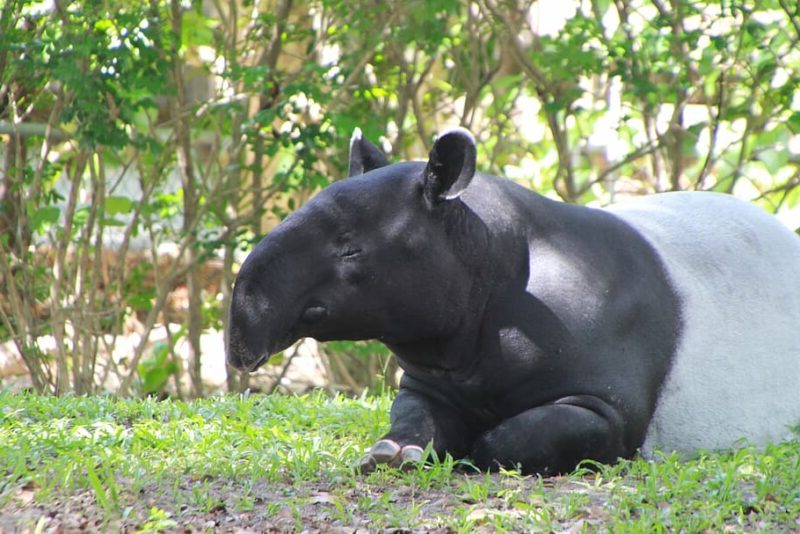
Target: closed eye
{"type": "Point", "coordinates": [350, 253]}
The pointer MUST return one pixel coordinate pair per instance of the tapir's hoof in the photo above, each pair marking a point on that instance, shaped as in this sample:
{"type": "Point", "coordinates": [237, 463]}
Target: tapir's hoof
{"type": "Point", "coordinates": [388, 452]}
{"type": "Point", "coordinates": [385, 451]}
{"type": "Point", "coordinates": [410, 457]}
{"type": "Point", "coordinates": [366, 465]}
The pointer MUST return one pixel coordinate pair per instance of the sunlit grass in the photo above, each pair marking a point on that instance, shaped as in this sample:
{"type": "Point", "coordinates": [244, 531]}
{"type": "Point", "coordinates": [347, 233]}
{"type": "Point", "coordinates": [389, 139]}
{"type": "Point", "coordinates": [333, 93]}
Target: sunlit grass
{"type": "Point", "coordinates": [286, 463]}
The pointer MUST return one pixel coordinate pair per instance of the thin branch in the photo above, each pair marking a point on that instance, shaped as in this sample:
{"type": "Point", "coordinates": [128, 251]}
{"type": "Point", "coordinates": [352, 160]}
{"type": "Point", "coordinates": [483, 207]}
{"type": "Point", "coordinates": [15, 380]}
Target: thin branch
{"type": "Point", "coordinates": [716, 121]}
{"type": "Point", "coordinates": [640, 152]}
{"type": "Point", "coordinates": [793, 17]}
{"type": "Point", "coordinates": [272, 51]}
{"type": "Point", "coordinates": [786, 187]}
{"type": "Point", "coordinates": [30, 129]}
{"type": "Point", "coordinates": [284, 369]}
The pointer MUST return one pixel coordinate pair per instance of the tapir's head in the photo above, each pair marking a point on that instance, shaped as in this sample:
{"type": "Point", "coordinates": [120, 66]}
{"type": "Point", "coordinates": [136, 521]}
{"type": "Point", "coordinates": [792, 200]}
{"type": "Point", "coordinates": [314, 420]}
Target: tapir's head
{"type": "Point", "coordinates": [378, 255]}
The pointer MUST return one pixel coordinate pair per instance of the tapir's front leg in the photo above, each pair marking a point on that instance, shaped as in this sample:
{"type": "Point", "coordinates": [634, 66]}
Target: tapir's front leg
{"type": "Point", "coordinates": [554, 438]}
{"type": "Point", "coordinates": [417, 420]}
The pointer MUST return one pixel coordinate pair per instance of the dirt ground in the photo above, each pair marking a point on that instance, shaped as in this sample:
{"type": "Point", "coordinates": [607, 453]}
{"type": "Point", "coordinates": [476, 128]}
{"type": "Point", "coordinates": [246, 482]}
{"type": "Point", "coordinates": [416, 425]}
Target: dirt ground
{"type": "Point", "coordinates": [229, 507]}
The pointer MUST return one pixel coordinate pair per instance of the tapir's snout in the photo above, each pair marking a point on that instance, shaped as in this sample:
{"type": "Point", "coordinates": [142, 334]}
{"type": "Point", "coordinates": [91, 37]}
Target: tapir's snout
{"type": "Point", "coordinates": [253, 334]}
{"type": "Point", "coordinates": [271, 303]}
{"type": "Point", "coordinates": [250, 343]}
{"type": "Point", "coordinates": [239, 355]}
{"type": "Point", "coordinates": [235, 361]}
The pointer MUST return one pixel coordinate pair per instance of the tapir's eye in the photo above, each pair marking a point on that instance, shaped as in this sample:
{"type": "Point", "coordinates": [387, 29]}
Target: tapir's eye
{"type": "Point", "coordinates": [350, 253]}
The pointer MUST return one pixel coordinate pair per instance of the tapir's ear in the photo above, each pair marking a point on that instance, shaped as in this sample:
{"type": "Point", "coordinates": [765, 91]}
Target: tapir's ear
{"type": "Point", "coordinates": [364, 156]}
{"type": "Point", "coordinates": [451, 165]}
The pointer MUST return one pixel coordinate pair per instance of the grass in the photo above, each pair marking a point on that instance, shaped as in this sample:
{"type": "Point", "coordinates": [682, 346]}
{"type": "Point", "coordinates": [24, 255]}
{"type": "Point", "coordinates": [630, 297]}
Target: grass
{"type": "Point", "coordinates": [284, 463]}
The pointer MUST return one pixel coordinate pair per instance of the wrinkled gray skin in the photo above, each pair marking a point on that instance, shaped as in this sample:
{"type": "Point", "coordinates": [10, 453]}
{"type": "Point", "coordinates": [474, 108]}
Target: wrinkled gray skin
{"type": "Point", "coordinates": [532, 333]}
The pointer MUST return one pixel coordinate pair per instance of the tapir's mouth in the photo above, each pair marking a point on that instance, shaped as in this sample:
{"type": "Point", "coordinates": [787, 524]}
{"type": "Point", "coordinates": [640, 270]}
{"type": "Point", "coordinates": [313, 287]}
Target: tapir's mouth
{"type": "Point", "coordinates": [250, 356]}
{"type": "Point", "coordinates": [251, 367]}
{"type": "Point", "coordinates": [241, 357]}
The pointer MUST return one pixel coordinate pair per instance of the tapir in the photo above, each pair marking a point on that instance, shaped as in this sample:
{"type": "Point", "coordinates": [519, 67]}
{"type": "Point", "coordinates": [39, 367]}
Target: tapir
{"type": "Point", "coordinates": [535, 334]}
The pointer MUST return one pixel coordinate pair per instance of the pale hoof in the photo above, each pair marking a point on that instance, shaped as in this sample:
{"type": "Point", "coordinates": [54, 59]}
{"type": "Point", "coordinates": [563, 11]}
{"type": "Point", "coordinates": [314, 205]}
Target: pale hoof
{"type": "Point", "coordinates": [385, 451]}
{"type": "Point", "coordinates": [388, 452]}
{"type": "Point", "coordinates": [411, 456]}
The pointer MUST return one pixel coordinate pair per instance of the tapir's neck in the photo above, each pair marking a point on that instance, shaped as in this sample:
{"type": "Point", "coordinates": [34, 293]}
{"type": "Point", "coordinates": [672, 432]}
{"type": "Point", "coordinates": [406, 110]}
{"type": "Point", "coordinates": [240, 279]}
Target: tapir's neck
{"type": "Point", "coordinates": [454, 358]}
{"type": "Point", "coordinates": [496, 248]}
{"type": "Point", "coordinates": [453, 355]}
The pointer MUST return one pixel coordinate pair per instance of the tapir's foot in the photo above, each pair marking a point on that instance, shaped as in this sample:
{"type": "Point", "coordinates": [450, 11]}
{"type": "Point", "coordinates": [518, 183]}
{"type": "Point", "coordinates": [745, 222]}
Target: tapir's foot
{"type": "Point", "coordinates": [388, 452]}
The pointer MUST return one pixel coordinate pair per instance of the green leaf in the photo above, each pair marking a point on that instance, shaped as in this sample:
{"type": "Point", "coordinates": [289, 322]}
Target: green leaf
{"type": "Point", "coordinates": [602, 7]}
{"type": "Point", "coordinates": [98, 488]}
{"type": "Point", "coordinates": [774, 159]}
{"type": "Point", "coordinates": [197, 30]}
{"type": "Point", "coordinates": [156, 370]}
{"type": "Point", "coordinates": [103, 25]}
{"type": "Point", "coordinates": [118, 204]}
{"type": "Point", "coordinates": [44, 216]}
{"type": "Point", "coordinates": [110, 221]}
{"type": "Point", "coordinates": [81, 216]}
{"type": "Point", "coordinates": [793, 122]}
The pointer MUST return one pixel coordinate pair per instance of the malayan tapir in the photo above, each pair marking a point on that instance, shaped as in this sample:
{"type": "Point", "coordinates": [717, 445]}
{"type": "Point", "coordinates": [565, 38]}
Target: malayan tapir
{"type": "Point", "coordinates": [535, 333]}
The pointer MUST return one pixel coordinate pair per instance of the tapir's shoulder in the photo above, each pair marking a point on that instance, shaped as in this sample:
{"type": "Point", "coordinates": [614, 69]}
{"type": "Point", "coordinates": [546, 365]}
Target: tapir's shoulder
{"type": "Point", "coordinates": [502, 202]}
{"type": "Point", "coordinates": [490, 191]}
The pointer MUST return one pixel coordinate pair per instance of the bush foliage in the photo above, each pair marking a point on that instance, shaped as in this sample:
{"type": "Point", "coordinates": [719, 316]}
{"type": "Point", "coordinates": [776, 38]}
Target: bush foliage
{"type": "Point", "coordinates": [127, 126]}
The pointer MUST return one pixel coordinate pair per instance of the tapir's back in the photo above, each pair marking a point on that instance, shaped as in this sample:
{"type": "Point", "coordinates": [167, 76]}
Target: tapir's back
{"type": "Point", "coordinates": [736, 372]}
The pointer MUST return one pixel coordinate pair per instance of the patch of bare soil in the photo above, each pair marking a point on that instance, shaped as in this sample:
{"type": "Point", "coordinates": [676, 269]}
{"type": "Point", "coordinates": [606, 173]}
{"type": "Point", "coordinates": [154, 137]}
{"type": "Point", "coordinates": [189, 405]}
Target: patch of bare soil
{"type": "Point", "coordinates": [227, 506]}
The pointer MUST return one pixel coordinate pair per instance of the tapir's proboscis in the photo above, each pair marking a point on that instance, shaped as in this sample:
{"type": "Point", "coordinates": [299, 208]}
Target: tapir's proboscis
{"type": "Point", "coordinates": [534, 333]}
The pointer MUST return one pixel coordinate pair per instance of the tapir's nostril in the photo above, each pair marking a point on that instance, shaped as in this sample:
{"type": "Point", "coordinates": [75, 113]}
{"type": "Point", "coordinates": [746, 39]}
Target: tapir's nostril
{"type": "Point", "coordinates": [314, 314]}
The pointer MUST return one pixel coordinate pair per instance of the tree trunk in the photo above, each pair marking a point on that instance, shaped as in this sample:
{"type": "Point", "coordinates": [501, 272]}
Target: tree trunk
{"type": "Point", "coordinates": [190, 204]}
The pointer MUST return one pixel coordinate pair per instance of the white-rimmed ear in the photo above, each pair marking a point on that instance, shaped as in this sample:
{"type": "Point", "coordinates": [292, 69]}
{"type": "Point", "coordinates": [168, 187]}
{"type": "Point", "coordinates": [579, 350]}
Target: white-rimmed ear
{"type": "Point", "coordinates": [364, 156]}
{"type": "Point", "coordinates": [451, 165]}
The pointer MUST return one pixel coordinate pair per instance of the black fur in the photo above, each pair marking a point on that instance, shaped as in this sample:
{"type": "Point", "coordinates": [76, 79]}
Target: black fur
{"type": "Point", "coordinates": [532, 333]}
